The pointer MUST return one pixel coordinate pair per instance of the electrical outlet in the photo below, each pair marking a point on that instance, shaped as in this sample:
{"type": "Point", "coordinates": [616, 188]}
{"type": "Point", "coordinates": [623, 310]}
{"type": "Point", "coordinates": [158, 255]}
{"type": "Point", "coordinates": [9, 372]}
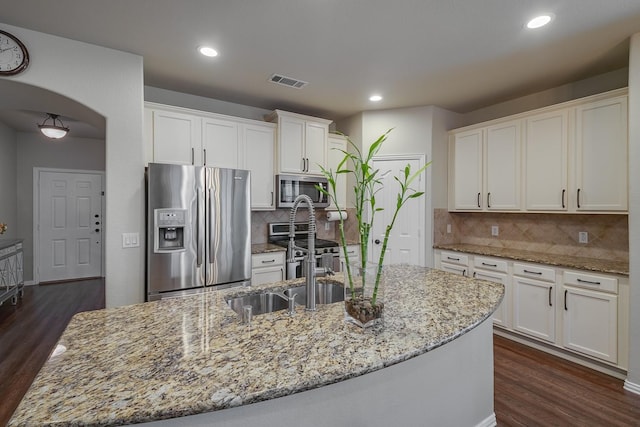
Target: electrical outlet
{"type": "Point", "coordinates": [494, 230]}
{"type": "Point", "coordinates": [327, 226]}
{"type": "Point", "coordinates": [448, 228]}
{"type": "Point", "coordinates": [583, 237]}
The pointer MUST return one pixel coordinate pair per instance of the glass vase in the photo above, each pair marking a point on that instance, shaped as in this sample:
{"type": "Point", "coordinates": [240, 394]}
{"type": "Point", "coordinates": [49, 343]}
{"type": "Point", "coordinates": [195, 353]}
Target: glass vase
{"type": "Point", "coordinates": [363, 294]}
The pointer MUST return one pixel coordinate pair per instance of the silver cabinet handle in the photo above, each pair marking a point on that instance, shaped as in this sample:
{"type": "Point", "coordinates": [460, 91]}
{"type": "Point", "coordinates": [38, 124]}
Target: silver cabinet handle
{"type": "Point", "coordinates": [533, 272]}
{"type": "Point", "coordinates": [303, 164]}
{"type": "Point", "coordinates": [488, 200]}
{"type": "Point", "coordinates": [270, 261]}
{"type": "Point", "coordinates": [563, 193]}
{"type": "Point", "coordinates": [453, 259]}
{"type": "Point", "coordinates": [550, 287]}
{"type": "Point", "coordinates": [192, 156]}
{"type": "Point", "coordinates": [204, 154]}
{"type": "Point", "coordinates": [478, 199]}
{"type": "Point", "coordinates": [489, 265]}
{"type": "Point", "coordinates": [565, 300]}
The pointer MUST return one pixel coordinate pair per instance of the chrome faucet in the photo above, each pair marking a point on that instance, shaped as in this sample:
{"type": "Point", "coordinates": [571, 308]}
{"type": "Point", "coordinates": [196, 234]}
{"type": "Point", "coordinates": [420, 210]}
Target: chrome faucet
{"type": "Point", "coordinates": [310, 260]}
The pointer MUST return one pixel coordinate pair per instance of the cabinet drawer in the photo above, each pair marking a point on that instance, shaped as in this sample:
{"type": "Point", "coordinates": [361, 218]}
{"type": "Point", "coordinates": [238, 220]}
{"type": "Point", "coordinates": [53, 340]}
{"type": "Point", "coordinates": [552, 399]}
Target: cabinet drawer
{"type": "Point", "coordinates": [534, 271]}
{"type": "Point", "coordinates": [490, 264]}
{"type": "Point", "coordinates": [267, 259]}
{"type": "Point", "coordinates": [591, 281]}
{"type": "Point", "coordinates": [454, 258]}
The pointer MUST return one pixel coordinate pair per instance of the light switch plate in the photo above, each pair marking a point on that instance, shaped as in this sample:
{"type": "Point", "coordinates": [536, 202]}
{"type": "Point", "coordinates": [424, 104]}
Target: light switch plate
{"type": "Point", "coordinates": [130, 240]}
{"type": "Point", "coordinates": [494, 230]}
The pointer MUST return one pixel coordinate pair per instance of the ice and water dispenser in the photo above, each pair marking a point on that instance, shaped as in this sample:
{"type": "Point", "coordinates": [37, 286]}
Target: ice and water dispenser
{"type": "Point", "coordinates": [169, 229]}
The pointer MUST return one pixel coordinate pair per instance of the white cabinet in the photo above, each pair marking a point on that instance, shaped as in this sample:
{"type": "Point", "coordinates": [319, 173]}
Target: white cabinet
{"type": "Point", "coordinates": [502, 166]}
{"type": "Point", "coordinates": [533, 301]}
{"type": "Point", "coordinates": [302, 142]}
{"type": "Point", "coordinates": [465, 186]}
{"type": "Point", "coordinates": [486, 168]}
{"type": "Point", "coordinates": [259, 158]}
{"type": "Point", "coordinates": [601, 155]}
{"type": "Point", "coordinates": [570, 157]}
{"type": "Point", "coordinates": [496, 271]}
{"type": "Point", "coordinates": [221, 144]}
{"type": "Point", "coordinates": [176, 137]}
{"type": "Point", "coordinates": [545, 160]}
{"type": "Point", "coordinates": [267, 267]}
{"type": "Point", "coordinates": [454, 262]}
{"type": "Point", "coordinates": [188, 137]}
{"type": "Point", "coordinates": [590, 315]}
{"type": "Point", "coordinates": [337, 144]}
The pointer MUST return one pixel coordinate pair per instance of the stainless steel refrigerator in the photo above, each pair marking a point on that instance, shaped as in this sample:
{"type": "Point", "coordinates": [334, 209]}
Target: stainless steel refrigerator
{"type": "Point", "coordinates": [198, 229]}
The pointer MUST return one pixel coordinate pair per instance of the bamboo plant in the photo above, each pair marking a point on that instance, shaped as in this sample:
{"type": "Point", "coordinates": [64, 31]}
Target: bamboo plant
{"type": "Point", "coordinates": [367, 183]}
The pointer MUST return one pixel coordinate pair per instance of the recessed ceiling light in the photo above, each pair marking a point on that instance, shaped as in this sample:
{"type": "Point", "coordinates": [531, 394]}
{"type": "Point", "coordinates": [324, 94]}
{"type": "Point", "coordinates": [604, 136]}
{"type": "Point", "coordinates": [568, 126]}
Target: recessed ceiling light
{"type": "Point", "coordinates": [207, 51]}
{"type": "Point", "coordinates": [375, 98]}
{"type": "Point", "coordinates": [540, 21]}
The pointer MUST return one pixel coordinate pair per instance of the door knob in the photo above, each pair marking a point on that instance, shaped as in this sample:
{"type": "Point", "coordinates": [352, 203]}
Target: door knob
{"type": "Point", "coordinates": [377, 241]}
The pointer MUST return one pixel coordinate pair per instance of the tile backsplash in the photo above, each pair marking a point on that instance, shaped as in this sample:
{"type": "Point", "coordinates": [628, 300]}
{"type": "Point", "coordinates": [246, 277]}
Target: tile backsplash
{"type": "Point", "coordinates": [261, 219]}
{"type": "Point", "coordinates": [608, 235]}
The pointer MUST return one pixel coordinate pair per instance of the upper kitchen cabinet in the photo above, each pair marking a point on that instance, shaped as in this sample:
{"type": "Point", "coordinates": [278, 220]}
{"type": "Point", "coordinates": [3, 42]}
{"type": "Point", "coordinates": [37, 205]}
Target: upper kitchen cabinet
{"type": "Point", "coordinates": [545, 161]}
{"type": "Point", "coordinates": [175, 137]}
{"type": "Point", "coordinates": [601, 155]}
{"type": "Point", "coordinates": [573, 159]}
{"type": "Point", "coordinates": [302, 142]}
{"type": "Point", "coordinates": [337, 145]}
{"type": "Point", "coordinates": [486, 168]}
{"type": "Point", "coordinates": [190, 137]}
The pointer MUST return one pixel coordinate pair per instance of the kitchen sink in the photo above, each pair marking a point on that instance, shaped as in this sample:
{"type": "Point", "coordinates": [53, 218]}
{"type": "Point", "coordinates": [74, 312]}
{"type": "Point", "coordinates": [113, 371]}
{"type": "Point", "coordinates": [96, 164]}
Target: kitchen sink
{"type": "Point", "coordinates": [266, 302]}
{"type": "Point", "coordinates": [327, 292]}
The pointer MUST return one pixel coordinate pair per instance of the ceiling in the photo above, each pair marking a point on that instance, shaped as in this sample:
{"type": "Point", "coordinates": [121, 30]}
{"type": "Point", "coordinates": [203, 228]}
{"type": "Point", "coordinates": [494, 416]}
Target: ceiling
{"type": "Point", "coordinates": [460, 55]}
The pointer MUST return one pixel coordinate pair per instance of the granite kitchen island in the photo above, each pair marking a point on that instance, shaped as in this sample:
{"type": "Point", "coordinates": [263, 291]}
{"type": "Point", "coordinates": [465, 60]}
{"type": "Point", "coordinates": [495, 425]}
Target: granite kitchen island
{"type": "Point", "coordinates": [189, 361]}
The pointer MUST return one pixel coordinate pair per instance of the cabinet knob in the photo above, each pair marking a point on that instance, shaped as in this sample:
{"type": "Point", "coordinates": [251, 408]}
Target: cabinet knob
{"type": "Point", "coordinates": [377, 241]}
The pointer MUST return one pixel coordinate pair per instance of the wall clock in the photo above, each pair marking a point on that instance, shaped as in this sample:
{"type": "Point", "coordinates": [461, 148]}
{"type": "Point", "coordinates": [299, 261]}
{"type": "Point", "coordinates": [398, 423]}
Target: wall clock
{"type": "Point", "coordinates": [14, 56]}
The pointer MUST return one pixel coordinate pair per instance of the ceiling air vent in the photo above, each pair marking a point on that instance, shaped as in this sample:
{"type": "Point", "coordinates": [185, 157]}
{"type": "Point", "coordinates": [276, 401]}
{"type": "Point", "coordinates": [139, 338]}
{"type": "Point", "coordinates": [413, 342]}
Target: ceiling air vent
{"type": "Point", "coordinates": [287, 81]}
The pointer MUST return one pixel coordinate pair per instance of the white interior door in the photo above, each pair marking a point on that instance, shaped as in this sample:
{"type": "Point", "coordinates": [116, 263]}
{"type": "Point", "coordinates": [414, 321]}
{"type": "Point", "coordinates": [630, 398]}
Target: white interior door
{"type": "Point", "coordinates": [69, 225]}
{"type": "Point", "coordinates": [406, 241]}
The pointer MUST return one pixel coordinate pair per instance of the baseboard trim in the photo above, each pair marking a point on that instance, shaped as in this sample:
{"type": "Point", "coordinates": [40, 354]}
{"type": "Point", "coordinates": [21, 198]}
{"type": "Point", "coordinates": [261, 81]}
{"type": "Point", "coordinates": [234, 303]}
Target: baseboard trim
{"type": "Point", "coordinates": [563, 354]}
{"type": "Point", "coordinates": [632, 387]}
{"type": "Point", "coordinates": [490, 421]}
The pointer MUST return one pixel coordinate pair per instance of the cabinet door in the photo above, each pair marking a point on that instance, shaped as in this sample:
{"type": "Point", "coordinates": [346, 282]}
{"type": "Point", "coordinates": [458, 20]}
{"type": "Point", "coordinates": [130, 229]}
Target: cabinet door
{"type": "Point", "coordinates": [259, 151]}
{"type": "Point", "coordinates": [467, 171]}
{"type": "Point", "coordinates": [502, 166]}
{"type": "Point", "coordinates": [590, 323]}
{"type": "Point", "coordinates": [545, 161]}
{"type": "Point", "coordinates": [315, 147]}
{"type": "Point", "coordinates": [501, 315]}
{"type": "Point", "coordinates": [601, 155]}
{"type": "Point", "coordinates": [291, 135]}
{"type": "Point", "coordinates": [337, 144]}
{"type": "Point", "coordinates": [220, 143]}
{"type": "Point", "coordinates": [533, 311]}
{"type": "Point", "coordinates": [176, 138]}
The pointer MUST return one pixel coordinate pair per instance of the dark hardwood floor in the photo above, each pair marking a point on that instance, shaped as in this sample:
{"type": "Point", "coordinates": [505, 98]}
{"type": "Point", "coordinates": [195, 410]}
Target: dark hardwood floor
{"type": "Point", "coordinates": [30, 330]}
{"type": "Point", "coordinates": [532, 388]}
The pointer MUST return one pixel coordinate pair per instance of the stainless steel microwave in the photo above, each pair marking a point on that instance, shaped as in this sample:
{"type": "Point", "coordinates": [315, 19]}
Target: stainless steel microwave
{"type": "Point", "coordinates": [288, 187]}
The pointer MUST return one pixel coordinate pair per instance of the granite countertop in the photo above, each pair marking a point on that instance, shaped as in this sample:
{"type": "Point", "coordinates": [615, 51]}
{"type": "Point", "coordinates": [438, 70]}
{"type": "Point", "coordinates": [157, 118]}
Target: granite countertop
{"type": "Point", "coordinates": [262, 248]}
{"type": "Point", "coordinates": [580, 263]}
{"type": "Point", "coordinates": [190, 355]}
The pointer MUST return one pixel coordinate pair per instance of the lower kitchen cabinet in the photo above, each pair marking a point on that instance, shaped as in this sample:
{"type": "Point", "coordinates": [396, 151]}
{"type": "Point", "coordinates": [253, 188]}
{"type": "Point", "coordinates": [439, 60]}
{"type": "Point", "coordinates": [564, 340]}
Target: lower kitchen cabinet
{"type": "Point", "coordinates": [496, 271]}
{"type": "Point", "coordinates": [577, 312]}
{"type": "Point", "coordinates": [590, 317]}
{"type": "Point", "coordinates": [533, 310]}
{"type": "Point", "coordinates": [267, 267]}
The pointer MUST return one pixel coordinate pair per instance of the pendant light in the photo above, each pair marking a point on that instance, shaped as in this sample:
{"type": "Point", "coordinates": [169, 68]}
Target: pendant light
{"type": "Point", "coordinates": [53, 130]}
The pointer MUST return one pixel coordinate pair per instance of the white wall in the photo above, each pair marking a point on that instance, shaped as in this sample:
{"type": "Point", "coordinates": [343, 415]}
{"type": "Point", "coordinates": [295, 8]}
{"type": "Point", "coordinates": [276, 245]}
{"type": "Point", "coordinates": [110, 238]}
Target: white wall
{"type": "Point", "coordinates": [185, 100]}
{"type": "Point", "coordinates": [36, 150]}
{"type": "Point", "coordinates": [634, 212]}
{"type": "Point", "coordinates": [110, 83]}
{"type": "Point", "coordinates": [8, 189]}
{"type": "Point", "coordinates": [416, 130]}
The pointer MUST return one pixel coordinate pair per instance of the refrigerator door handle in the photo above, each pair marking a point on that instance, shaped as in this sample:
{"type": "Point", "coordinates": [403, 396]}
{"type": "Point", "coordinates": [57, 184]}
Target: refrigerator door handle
{"type": "Point", "coordinates": [211, 226]}
{"type": "Point", "coordinates": [198, 232]}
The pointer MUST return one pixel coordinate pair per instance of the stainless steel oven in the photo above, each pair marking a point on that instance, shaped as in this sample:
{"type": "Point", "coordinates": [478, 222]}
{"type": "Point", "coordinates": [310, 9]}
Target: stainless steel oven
{"type": "Point", "coordinates": [288, 187]}
{"type": "Point", "coordinates": [327, 252]}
